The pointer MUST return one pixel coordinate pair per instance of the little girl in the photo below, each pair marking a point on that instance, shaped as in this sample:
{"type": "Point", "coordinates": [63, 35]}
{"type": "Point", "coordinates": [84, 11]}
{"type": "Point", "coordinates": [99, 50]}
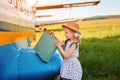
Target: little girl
{"type": "Point", "coordinates": [71, 67]}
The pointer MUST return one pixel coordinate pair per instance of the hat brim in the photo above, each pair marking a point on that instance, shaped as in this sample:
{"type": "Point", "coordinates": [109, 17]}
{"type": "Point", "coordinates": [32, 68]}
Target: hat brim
{"type": "Point", "coordinates": [63, 26]}
{"type": "Point", "coordinates": [68, 27]}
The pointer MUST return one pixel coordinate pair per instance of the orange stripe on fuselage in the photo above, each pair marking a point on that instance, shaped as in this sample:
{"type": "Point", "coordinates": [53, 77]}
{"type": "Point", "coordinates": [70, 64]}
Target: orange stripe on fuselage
{"type": "Point", "coordinates": [10, 37]}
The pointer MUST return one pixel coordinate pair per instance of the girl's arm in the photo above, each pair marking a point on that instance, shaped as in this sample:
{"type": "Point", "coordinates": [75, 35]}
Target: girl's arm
{"type": "Point", "coordinates": [68, 54]}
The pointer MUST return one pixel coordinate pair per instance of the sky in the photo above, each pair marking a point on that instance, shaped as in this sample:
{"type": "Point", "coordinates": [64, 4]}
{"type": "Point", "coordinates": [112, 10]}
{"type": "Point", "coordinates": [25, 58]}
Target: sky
{"type": "Point", "coordinates": [105, 7]}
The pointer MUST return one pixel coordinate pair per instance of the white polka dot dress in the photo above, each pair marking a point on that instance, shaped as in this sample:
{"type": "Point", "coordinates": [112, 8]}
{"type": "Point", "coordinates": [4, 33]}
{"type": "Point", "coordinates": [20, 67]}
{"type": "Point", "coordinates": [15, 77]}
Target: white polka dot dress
{"type": "Point", "coordinates": [71, 68]}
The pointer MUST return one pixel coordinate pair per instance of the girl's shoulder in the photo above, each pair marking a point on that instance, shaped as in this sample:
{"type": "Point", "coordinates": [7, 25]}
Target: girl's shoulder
{"type": "Point", "coordinates": [76, 43]}
{"type": "Point", "coordinates": [66, 41]}
{"type": "Point", "coordinates": [71, 43]}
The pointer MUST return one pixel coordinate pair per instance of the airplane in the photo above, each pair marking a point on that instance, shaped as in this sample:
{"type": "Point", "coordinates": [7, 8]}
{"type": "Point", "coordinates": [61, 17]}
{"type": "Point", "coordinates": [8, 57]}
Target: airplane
{"type": "Point", "coordinates": [17, 23]}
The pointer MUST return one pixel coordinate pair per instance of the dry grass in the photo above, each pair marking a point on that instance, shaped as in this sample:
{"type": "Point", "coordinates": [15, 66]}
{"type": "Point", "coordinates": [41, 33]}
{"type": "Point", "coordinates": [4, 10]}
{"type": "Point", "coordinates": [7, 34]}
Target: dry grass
{"type": "Point", "coordinates": [89, 29]}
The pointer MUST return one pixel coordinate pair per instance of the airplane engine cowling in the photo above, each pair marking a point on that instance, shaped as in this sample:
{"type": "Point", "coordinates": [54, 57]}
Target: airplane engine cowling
{"type": "Point", "coordinates": [25, 64]}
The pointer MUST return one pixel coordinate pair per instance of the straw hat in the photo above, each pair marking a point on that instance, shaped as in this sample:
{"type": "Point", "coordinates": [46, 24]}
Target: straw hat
{"type": "Point", "coordinates": [73, 26]}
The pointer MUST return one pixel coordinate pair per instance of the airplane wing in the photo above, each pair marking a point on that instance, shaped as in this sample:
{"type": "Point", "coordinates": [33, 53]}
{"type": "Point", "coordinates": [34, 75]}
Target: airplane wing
{"type": "Point", "coordinates": [78, 4]}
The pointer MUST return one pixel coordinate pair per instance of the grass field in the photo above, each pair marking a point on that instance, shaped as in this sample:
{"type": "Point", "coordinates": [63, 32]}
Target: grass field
{"type": "Point", "coordinates": [99, 50]}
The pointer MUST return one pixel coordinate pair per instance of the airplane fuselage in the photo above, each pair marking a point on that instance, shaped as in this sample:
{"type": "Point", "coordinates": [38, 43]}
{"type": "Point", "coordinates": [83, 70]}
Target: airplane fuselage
{"type": "Point", "coordinates": [16, 15]}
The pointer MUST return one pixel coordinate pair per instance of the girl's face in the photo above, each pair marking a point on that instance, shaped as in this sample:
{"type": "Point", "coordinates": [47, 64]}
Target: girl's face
{"type": "Point", "coordinates": [68, 33]}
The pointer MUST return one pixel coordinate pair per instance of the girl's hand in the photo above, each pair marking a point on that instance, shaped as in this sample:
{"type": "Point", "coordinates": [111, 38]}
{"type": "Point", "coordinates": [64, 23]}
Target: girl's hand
{"type": "Point", "coordinates": [58, 40]}
{"type": "Point", "coordinates": [58, 44]}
